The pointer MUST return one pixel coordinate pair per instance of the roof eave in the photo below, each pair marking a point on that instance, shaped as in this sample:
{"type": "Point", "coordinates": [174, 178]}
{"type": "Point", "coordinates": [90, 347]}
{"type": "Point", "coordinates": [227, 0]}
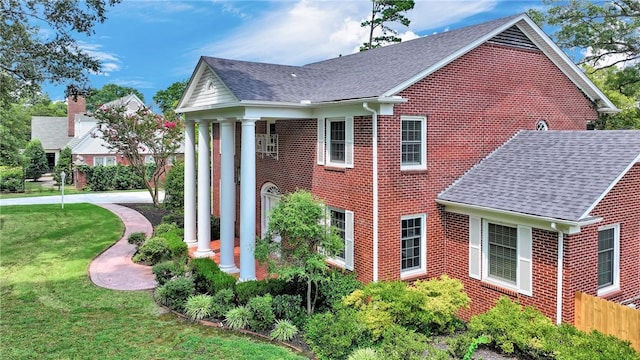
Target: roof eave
{"type": "Point", "coordinates": [541, 222]}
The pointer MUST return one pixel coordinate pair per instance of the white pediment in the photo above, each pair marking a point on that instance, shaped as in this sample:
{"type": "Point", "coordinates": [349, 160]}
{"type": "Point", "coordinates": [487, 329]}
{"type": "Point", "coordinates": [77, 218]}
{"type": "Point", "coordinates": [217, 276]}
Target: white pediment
{"type": "Point", "coordinates": [207, 89]}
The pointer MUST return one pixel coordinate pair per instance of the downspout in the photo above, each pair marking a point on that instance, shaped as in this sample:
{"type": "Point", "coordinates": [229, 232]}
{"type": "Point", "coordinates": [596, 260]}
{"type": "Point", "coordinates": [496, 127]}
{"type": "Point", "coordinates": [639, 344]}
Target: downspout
{"type": "Point", "coordinates": [559, 276]}
{"type": "Point", "coordinates": [374, 146]}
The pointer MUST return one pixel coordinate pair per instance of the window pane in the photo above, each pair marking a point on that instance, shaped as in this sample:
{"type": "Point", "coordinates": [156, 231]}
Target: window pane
{"type": "Point", "coordinates": [337, 141]}
{"type": "Point", "coordinates": [411, 237]}
{"type": "Point", "coordinates": [338, 220]}
{"type": "Point", "coordinates": [605, 257]}
{"type": "Point", "coordinates": [503, 252]}
{"type": "Point", "coordinates": [411, 142]}
{"type": "Point", "coordinates": [110, 160]}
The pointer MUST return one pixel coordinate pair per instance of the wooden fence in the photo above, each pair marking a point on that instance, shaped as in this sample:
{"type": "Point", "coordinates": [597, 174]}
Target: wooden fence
{"type": "Point", "coordinates": [621, 321]}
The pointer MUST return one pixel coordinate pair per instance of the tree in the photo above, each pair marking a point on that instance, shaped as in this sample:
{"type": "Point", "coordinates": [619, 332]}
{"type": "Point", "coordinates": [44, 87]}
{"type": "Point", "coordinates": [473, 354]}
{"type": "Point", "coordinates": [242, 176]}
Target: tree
{"type": "Point", "coordinates": [109, 92]}
{"type": "Point", "coordinates": [605, 34]}
{"type": "Point", "coordinates": [305, 240]}
{"type": "Point", "coordinates": [64, 164]}
{"type": "Point", "coordinates": [14, 132]}
{"type": "Point", "coordinates": [168, 99]}
{"type": "Point", "coordinates": [28, 57]}
{"type": "Point", "coordinates": [35, 160]}
{"type": "Point", "coordinates": [382, 13]}
{"type": "Point", "coordinates": [137, 134]}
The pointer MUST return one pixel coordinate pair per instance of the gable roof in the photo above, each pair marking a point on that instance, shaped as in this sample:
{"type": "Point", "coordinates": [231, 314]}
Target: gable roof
{"type": "Point", "coordinates": [380, 72]}
{"type": "Point", "coordinates": [553, 174]}
{"type": "Point", "coordinates": [51, 131]}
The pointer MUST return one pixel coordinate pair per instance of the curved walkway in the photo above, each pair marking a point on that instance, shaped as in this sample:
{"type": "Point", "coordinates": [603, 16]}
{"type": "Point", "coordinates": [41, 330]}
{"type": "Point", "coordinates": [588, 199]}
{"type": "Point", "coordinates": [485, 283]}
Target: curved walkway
{"type": "Point", "coordinates": [113, 269]}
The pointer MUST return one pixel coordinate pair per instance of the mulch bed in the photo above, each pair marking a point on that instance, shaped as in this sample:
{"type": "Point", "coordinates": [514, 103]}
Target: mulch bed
{"type": "Point", "coordinates": [153, 214]}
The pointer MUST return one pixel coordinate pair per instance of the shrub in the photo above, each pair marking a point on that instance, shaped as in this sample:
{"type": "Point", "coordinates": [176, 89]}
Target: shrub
{"type": "Point", "coordinates": [178, 249]}
{"type": "Point", "coordinates": [284, 330]}
{"type": "Point", "coordinates": [261, 310]}
{"type": "Point", "coordinates": [198, 307]}
{"type": "Point", "coordinates": [237, 318]}
{"type": "Point", "coordinates": [364, 354]}
{"type": "Point", "coordinates": [221, 280]}
{"type": "Point", "coordinates": [289, 307]}
{"type": "Point", "coordinates": [334, 335]}
{"type": "Point", "coordinates": [340, 284]}
{"type": "Point", "coordinates": [513, 328]}
{"type": "Point", "coordinates": [444, 298]}
{"type": "Point", "coordinates": [250, 289]}
{"type": "Point", "coordinates": [168, 270]}
{"type": "Point", "coordinates": [35, 160]}
{"type": "Point", "coordinates": [174, 293]}
{"type": "Point", "coordinates": [174, 217]}
{"type": "Point", "coordinates": [568, 343]}
{"type": "Point", "coordinates": [153, 251]}
{"type": "Point", "coordinates": [101, 178]}
{"type": "Point", "coordinates": [125, 179]}
{"type": "Point", "coordinates": [137, 238]}
{"type": "Point", "coordinates": [174, 187]}
{"type": "Point", "coordinates": [11, 179]}
{"type": "Point", "coordinates": [400, 343]}
{"type": "Point", "coordinates": [222, 303]}
{"type": "Point", "coordinates": [64, 164]}
{"type": "Point", "coordinates": [202, 272]}
{"type": "Point", "coordinates": [163, 228]}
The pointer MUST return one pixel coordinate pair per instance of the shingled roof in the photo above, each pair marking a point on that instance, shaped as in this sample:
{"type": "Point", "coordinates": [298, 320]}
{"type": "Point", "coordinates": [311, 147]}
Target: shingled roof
{"type": "Point", "coordinates": [554, 174]}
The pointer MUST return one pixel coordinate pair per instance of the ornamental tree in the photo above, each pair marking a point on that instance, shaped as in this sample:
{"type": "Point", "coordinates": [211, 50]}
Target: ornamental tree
{"type": "Point", "coordinates": [35, 160]}
{"type": "Point", "coordinates": [298, 242]}
{"type": "Point", "coordinates": [137, 135]}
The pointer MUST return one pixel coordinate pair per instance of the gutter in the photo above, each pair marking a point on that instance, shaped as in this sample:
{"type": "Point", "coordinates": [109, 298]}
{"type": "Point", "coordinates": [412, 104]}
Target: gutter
{"type": "Point", "coordinates": [559, 275]}
{"type": "Point", "coordinates": [374, 146]}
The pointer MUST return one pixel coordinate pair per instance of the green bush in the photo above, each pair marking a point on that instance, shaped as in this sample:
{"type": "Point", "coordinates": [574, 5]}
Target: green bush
{"type": "Point", "coordinates": [221, 280]}
{"type": "Point", "coordinates": [101, 178]}
{"type": "Point", "coordinates": [168, 270]}
{"type": "Point", "coordinates": [174, 293]}
{"type": "Point", "coordinates": [364, 354]}
{"type": "Point", "coordinates": [137, 238]}
{"type": "Point", "coordinates": [164, 228]}
{"type": "Point", "coordinates": [568, 343]}
{"type": "Point", "coordinates": [399, 343]}
{"type": "Point", "coordinates": [198, 307]}
{"type": "Point", "coordinates": [64, 164]}
{"type": "Point", "coordinates": [250, 289]}
{"type": "Point", "coordinates": [237, 318]}
{"type": "Point", "coordinates": [444, 298]}
{"type": "Point", "coordinates": [11, 179]}
{"type": "Point", "coordinates": [284, 330]}
{"type": "Point", "coordinates": [289, 307]}
{"type": "Point", "coordinates": [153, 251]}
{"type": "Point", "coordinates": [340, 284]}
{"type": "Point", "coordinates": [36, 162]}
{"type": "Point", "coordinates": [174, 187]}
{"type": "Point", "coordinates": [261, 310]}
{"type": "Point", "coordinates": [174, 217]}
{"type": "Point", "coordinates": [178, 249]}
{"type": "Point", "coordinates": [335, 335]}
{"type": "Point", "coordinates": [125, 179]}
{"type": "Point", "coordinates": [202, 272]}
{"type": "Point", "coordinates": [222, 303]}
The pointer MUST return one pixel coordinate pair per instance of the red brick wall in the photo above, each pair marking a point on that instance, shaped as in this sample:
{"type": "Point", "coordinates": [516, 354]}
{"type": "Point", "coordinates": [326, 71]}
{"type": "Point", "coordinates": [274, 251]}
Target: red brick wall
{"type": "Point", "coordinates": [620, 206]}
{"type": "Point", "coordinates": [77, 106]}
{"type": "Point", "coordinates": [483, 295]}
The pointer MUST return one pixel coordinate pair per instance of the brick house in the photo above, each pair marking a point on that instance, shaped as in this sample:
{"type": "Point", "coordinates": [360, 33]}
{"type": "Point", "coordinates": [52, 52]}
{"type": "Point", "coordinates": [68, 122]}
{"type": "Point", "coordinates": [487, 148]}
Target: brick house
{"type": "Point", "coordinates": [378, 136]}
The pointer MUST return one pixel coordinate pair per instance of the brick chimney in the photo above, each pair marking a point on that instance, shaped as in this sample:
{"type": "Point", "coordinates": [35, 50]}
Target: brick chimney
{"type": "Point", "coordinates": [79, 106]}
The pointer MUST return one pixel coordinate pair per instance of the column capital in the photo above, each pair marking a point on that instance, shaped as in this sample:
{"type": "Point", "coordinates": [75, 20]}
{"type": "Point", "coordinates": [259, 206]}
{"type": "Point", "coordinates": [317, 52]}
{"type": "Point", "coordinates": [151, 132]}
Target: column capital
{"type": "Point", "coordinates": [249, 120]}
{"type": "Point", "coordinates": [199, 121]}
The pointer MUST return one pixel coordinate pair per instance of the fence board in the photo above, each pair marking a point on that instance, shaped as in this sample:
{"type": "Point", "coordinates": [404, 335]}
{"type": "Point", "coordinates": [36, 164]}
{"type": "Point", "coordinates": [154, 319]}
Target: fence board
{"type": "Point", "coordinates": [593, 313]}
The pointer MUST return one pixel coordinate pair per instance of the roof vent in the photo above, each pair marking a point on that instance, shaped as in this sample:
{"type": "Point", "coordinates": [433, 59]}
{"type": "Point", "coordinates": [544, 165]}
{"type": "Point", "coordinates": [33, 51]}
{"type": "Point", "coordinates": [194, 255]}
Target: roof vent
{"type": "Point", "coordinates": [514, 37]}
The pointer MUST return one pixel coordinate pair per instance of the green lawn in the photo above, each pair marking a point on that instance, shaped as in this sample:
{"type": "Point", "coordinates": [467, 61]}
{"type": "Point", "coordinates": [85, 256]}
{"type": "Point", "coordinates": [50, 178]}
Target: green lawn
{"type": "Point", "coordinates": [36, 189]}
{"type": "Point", "coordinates": [49, 309]}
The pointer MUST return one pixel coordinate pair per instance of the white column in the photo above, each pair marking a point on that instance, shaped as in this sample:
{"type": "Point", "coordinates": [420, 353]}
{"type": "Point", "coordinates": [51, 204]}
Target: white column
{"type": "Point", "coordinates": [190, 183]}
{"type": "Point", "coordinates": [204, 191]}
{"type": "Point", "coordinates": [248, 200]}
{"type": "Point", "coordinates": [227, 196]}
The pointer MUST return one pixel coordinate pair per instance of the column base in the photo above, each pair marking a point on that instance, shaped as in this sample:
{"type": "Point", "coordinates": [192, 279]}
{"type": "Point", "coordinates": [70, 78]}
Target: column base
{"type": "Point", "coordinates": [243, 280]}
{"type": "Point", "coordinates": [203, 253]}
{"type": "Point", "coordinates": [191, 243]}
{"type": "Point", "coordinates": [229, 269]}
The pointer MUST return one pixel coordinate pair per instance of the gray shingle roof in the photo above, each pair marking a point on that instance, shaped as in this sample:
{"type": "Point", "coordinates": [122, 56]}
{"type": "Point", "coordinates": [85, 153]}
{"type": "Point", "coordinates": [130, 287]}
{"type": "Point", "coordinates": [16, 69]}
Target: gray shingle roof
{"type": "Point", "coordinates": [51, 131]}
{"type": "Point", "coordinates": [366, 74]}
{"type": "Point", "coordinates": [555, 174]}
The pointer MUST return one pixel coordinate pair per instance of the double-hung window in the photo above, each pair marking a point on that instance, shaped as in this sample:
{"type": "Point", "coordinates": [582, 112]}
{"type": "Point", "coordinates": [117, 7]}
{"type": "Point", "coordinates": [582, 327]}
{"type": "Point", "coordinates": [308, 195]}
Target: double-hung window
{"type": "Point", "coordinates": [335, 142]}
{"type": "Point", "coordinates": [104, 160]}
{"type": "Point", "coordinates": [501, 254]}
{"type": "Point", "coordinates": [608, 258]}
{"type": "Point", "coordinates": [413, 143]}
{"type": "Point", "coordinates": [413, 245]}
{"type": "Point", "coordinates": [342, 221]}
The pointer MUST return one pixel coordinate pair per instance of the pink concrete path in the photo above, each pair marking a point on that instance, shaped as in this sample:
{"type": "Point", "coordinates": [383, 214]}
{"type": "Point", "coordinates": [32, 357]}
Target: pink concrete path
{"type": "Point", "coordinates": [113, 269]}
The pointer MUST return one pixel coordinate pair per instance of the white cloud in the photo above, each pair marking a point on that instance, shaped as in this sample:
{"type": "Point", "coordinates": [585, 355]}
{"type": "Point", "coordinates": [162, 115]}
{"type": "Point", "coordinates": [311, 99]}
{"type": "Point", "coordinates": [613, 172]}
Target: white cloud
{"type": "Point", "coordinates": [109, 62]}
{"type": "Point", "coordinates": [133, 83]}
{"type": "Point", "coordinates": [618, 60]}
{"type": "Point", "coordinates": [303, 31]}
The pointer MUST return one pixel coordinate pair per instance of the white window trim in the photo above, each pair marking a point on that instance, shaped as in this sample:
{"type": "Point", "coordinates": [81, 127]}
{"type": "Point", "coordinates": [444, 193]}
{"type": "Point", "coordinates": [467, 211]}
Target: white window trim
{"type": "Point", "coordinates": [347, 262]}
{"type": "Point", "coordinates": [423, 136]}
{"type": "Point", "coordinates": [423, 247]}
{"type": "Point", "coordinates": [524, 259]}
{"type": "Point", "coordinates": [324, 133]}
{"type": "Point", "coordinates": [104, 160]}
{"type": "Point", "coordinates": [616, 260]}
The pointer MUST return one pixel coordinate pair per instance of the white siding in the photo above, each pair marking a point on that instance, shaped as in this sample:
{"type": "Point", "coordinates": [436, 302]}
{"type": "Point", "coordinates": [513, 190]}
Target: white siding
{"type": "Point", "coordinates": [218, 93]}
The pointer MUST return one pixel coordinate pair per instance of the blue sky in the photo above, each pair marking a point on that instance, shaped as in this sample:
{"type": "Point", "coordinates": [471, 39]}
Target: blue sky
{"type": "Point", "coordinates": [150, 44]}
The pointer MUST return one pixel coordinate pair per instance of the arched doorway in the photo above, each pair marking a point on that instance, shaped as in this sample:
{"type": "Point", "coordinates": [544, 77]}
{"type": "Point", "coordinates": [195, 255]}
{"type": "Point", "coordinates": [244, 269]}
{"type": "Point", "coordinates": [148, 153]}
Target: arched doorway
{"type": "Point", "coordinates": [270, 196]}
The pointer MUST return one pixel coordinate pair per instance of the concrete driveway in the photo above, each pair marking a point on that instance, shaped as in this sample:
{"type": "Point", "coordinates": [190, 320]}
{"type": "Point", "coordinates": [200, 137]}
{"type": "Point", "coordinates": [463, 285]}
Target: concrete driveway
{"type": "Point", "coordinates": [93, 198]}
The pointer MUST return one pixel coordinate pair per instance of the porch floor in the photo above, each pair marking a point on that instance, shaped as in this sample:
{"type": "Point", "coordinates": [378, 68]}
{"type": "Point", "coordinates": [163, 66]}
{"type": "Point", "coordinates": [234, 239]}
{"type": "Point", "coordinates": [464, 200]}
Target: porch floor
{"type": "Point", "coordinates": [261, 271]}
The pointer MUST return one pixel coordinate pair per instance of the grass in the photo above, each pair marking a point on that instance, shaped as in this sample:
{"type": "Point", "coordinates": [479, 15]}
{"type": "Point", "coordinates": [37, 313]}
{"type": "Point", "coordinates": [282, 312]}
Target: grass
{"type": "Point", "coordinates": [35, 188]}
{"type": "Point", "coordinates": [51, 310]}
